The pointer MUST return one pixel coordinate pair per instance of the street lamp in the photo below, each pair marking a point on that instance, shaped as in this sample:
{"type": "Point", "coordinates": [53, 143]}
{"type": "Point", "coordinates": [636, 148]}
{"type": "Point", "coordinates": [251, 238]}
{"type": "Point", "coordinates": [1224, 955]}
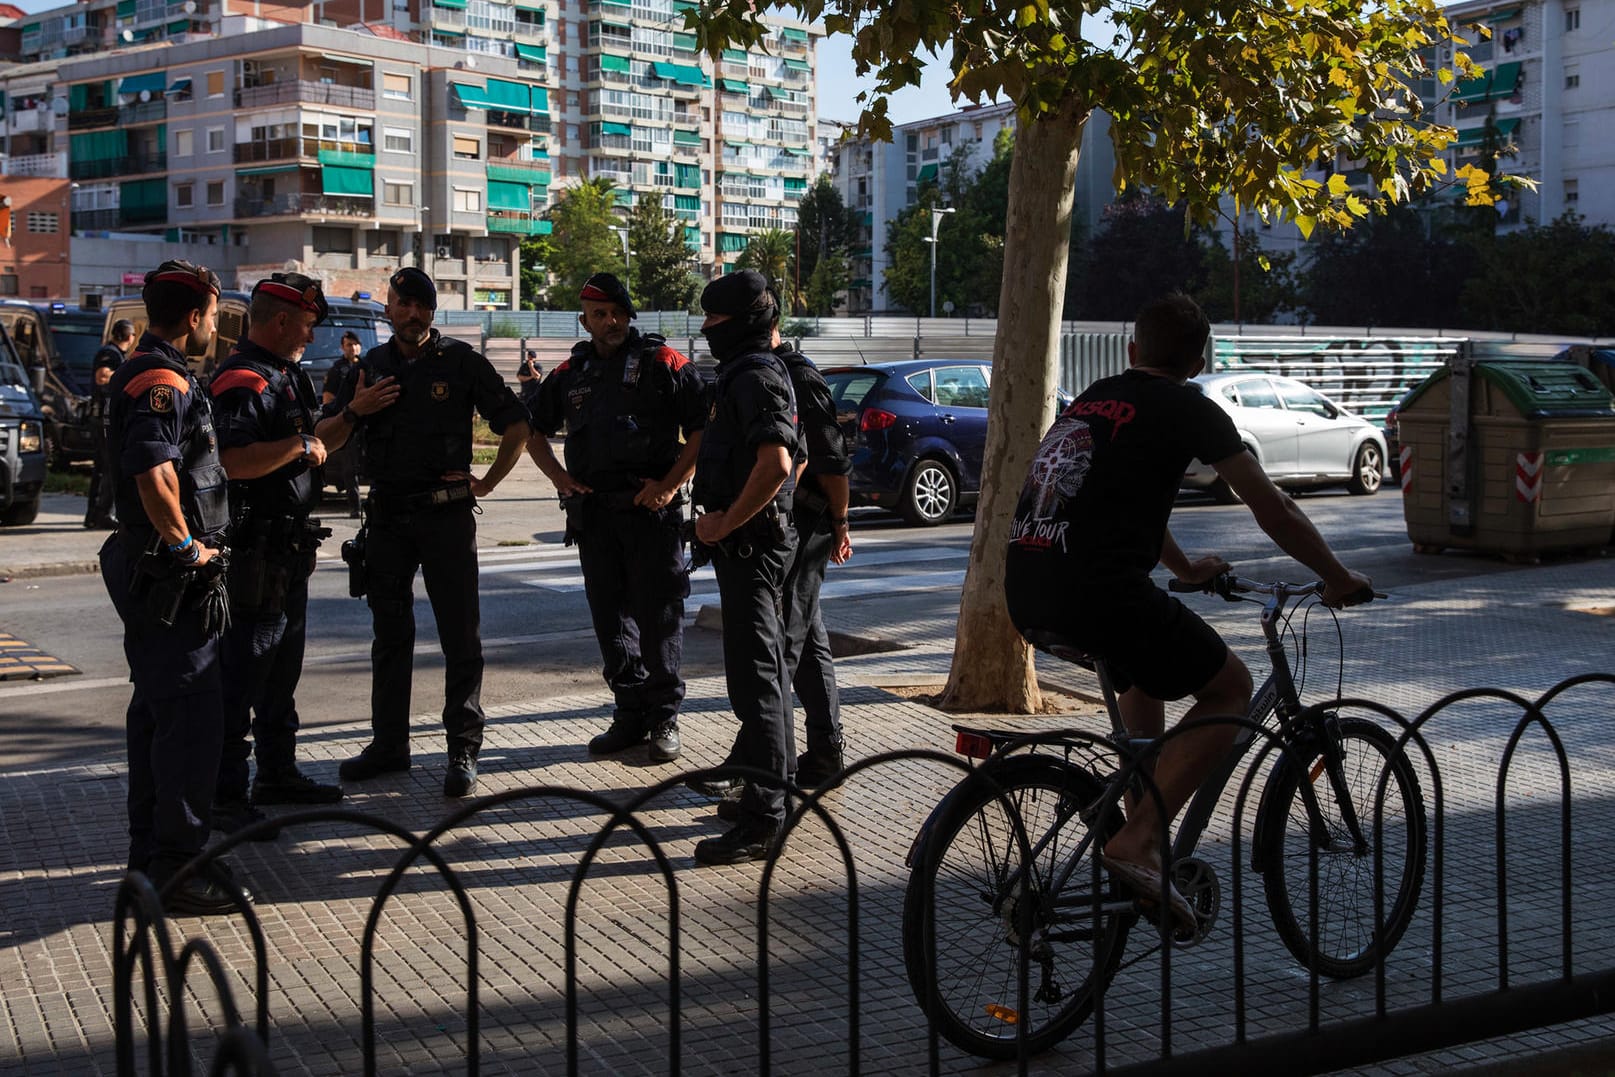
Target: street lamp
{"type": "Point", "coordinates": [627, 255]}
{"type": "Point", "coordinates": [936, 222]}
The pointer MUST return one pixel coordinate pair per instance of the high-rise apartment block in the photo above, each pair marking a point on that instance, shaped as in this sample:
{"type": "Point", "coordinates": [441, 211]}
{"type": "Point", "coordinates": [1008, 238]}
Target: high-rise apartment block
{"type": "Point", "coordinates": [354, 136]}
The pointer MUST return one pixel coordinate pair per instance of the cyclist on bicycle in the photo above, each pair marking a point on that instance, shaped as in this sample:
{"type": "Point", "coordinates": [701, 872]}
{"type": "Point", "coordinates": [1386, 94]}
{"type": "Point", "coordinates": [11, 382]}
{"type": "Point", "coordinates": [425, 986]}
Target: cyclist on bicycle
{"type": "Point", "coordinates": [1090, 526]}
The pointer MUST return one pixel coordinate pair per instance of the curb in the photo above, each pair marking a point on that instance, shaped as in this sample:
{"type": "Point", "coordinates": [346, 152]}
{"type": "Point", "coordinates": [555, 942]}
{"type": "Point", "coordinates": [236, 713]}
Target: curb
{"type": "Point", "coordinates": [52, 568]}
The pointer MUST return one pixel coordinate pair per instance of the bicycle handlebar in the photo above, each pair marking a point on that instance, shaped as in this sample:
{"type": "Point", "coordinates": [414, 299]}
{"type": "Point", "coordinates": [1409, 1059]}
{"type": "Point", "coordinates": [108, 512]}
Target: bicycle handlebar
{"type": "Point", "coordinates": [1230, 587]}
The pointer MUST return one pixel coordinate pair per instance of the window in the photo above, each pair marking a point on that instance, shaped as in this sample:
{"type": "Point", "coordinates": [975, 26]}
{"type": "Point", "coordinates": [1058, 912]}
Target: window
{"type": "Point", "coordinates": [8, 284]}
{"type": "Point", "coordinates": [467, 200]}
{"type": "Point", "coordinates": [961, 387]}
{"type": "Point", "coordinates": [332, 240]}
{"type": "Point", "coordinates": [43, 223]}
{"type": "Point", "coordinates": [1572, 79]}
{"type": "Point", "coordinates": [184, 143]}
{"type": "Point", "coordinates": [1254, 394]}
{"type": "Point", "coordinates": [396, 87]}
{"type": "Point", "coordinates": [467, 149]}
{"type": "Point", "coordinates": [184, 195]}
{"type": "Point", "coordinates": [215, 193]}
{"type": "Point", "coordinates": [398, 140]}
{"type": "Point", "coordinates": [1572, 20]}
{"type": "Point", "coordinates": [397, 194]}
{"type": "Point", "coordinates": [1572, 192]}
{"type": "Point", "coordinates": [215, 140]}
{"type": "Point", "coordinates": [921, 384]}
{"type": "Point", "coordinates": [1300, 398]}
{"type": "Point", "coordinates": [215, 83]}
{"type": "Point", "coordinates": [383, 244]}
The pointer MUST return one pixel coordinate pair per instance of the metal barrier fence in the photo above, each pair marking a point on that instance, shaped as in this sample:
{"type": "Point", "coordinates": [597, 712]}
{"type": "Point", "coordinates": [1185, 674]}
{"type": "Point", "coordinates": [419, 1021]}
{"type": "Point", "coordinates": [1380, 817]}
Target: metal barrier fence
{"type": "Point", "coordinates": [1413, 1009]}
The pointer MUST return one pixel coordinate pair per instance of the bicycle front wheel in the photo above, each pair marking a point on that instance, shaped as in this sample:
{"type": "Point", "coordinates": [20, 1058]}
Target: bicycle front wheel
{"type": "Point", "coordinates": [966, 869]}
{"type": "Point", "coordinates": [1346, 941]}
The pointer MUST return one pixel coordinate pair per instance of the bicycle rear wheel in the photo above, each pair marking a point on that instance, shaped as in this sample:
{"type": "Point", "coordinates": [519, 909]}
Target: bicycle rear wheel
{"type": "Point", "coordinates": [1345, 936]}
{"type": "Point", "coordinates": [972, 991]}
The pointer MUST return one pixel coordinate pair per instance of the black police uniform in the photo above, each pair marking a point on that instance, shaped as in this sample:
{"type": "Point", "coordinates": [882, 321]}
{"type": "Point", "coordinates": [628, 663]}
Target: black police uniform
{"type": "Point", "coordinates": [418, 521]}
{"type": "Point", "coordinates": [752, 406]}
{"type": "Point", "coordinates": [257, 397]}
{"type": "Point", "coordinates": [98, 507]}
{"type": "Point", "coordinates": [807, 643]}
{"type": "Point", "coordinates": [342, 465]}
{"type": "Point", "coordinates": [156, 413]}
{"type": "Point", "coordinates": [623, 416]}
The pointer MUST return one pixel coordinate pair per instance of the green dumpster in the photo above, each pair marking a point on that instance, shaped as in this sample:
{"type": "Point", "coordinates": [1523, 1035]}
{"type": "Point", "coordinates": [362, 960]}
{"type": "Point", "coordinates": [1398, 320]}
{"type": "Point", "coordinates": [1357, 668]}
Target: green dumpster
{"type": "Point", "coordinates": [1514, 457]}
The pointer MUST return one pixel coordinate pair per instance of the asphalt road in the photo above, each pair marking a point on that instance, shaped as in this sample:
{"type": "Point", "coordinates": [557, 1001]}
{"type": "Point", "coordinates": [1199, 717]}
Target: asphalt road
{"type": "Point", "coordinates": [535, 620]}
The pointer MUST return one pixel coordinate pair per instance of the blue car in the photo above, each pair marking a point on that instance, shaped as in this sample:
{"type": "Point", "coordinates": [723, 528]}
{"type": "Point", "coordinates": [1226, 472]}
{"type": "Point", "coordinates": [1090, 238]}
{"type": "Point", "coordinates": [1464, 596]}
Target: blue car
{"type": "Point", "coordinates": [915, 432]}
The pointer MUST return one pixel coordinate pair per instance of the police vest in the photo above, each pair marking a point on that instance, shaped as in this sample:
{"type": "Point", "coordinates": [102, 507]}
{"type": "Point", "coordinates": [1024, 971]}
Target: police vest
{"type": "Point", "coordinates": [724, 462]}
{"type": "Point", "coordinates": [288, 398]}
{"type": "Point", "coordinates": [203, 486]}
{"type": "Point", "coordinates": [621, 421]}
{"type": "Point", "coordinates": [427, 431]}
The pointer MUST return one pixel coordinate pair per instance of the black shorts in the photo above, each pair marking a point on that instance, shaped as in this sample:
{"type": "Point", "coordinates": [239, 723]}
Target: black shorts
{"type": "Point", "coordinates": [1146, 637]}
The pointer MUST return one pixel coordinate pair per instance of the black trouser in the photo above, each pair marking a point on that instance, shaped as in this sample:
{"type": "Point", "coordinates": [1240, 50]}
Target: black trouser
{"type": "Point", "coordinates": [634, 577]}
{"type": "Point", "coordinates": [442, 543]}
{"type": "Point", "coordinates": [749, 589]}
{"type": "Point", "coordinates": [807, 643]}
{"type": "Point", "coordinates": [262, 660]}
{"type": "Point", "coordinates": [98, 506]}
{"type": "Point", "coordinates": [174, 722]}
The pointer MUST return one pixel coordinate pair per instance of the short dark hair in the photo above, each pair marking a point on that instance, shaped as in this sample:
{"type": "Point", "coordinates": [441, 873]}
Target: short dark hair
{"type": "Point", "coordinates": [176, 288]}
{"type": "Point", "coordinates": [1171, 333]}
{"type": "Point", "coordinates": [351, 335]}
{"type": "Point", "coordinates": [123, 329]}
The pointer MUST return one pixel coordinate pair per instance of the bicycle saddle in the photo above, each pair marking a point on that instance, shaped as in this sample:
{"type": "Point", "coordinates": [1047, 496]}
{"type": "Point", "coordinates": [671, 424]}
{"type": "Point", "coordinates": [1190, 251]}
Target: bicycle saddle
{"type": "Point", "coordinates": [1058, 645]}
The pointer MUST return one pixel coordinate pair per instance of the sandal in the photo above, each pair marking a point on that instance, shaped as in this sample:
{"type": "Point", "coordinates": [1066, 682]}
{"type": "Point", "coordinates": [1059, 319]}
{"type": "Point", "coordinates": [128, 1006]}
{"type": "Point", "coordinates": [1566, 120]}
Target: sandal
{"type": "Point", "coordinates": [1146, 884]}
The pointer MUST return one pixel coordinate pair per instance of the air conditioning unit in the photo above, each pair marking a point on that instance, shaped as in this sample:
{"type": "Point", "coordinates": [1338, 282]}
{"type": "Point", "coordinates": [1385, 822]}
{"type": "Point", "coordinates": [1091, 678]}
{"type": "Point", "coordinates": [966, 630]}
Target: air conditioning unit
{"type": "Point", "coordinates": [444, 252]}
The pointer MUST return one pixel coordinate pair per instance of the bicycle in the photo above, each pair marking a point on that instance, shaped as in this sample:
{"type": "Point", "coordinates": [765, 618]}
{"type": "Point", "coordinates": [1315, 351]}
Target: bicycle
{"type": "Point", "coordinates": [1008, 854]}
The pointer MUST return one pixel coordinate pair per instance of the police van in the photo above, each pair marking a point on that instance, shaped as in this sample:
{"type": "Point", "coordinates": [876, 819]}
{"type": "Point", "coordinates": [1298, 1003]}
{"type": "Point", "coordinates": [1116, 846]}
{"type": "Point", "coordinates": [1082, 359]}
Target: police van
{"type": "Point", "coordinates": [55, 344]}
{"type": "Point", "coordinates": [230, 327]}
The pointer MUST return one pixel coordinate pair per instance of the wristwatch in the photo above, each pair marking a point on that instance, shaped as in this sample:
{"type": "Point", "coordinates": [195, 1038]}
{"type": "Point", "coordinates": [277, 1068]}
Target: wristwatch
{"type": "Point", "coordinates": [350, 415]}
{"type": "Point", "coordinates": [306, 444]}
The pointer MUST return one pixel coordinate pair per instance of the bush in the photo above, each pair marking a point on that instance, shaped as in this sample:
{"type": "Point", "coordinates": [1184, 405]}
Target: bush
{"type": "Point", "coordinates": [505, 329]}
{"type": "Point", "coordinates": [798, 327]}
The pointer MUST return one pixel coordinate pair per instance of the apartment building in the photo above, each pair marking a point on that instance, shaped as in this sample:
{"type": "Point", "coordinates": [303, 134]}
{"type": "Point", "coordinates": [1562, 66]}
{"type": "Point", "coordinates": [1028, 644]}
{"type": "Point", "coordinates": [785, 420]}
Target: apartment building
{"type": "Point", "coordinates": [878, 180]}
{"type": "Point", "coordinates": [349, 137]}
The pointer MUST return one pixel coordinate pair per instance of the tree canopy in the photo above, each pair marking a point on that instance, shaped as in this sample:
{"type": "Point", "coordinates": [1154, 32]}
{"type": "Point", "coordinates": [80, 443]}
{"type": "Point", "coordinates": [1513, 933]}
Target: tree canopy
{"type": "Point", "coordinates": [825, 228]}
{"type": "Point", "coordinates": [582, 242]}
{"type": "Point", "coordinates": [663, 264]}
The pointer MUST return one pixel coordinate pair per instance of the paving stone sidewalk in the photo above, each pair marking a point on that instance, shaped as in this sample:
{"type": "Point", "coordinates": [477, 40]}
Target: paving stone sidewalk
{"type": "Point", "coordinates": [61, 849]}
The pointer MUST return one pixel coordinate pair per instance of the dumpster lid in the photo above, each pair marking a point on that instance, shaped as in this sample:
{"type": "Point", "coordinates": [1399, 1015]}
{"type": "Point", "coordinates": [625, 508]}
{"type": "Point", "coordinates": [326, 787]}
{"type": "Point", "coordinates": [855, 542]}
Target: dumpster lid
{"type": "Point", "coordinates": [1538, 388]}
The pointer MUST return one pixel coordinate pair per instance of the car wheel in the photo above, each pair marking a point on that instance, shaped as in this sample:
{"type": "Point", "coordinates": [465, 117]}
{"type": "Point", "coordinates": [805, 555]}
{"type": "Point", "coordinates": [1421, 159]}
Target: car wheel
{"type": "Point", "coordinates": [20, 514]}
{"type": "Point", "coordinates": [1368, 471]}
{"type": "Point", "coordinates": [931, 494]}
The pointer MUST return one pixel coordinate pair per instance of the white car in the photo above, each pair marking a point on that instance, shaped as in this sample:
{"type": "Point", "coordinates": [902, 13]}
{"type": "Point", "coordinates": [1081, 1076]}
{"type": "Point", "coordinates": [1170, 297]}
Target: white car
{"type": "Point", "coordinates": [1300, 437]}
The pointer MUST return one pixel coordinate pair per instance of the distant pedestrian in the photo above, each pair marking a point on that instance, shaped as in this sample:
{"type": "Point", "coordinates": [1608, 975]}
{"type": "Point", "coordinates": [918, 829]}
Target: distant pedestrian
{"type": "Point", "coordinates": [342, 465]}
{"type": "Point", "coordinates": [415, 397]}
{"type": "Point", "coordinates": [743, 479]}
{"type": "Point", "coordinates": [98, 510]}
{"type": "Point", "coordinates": [633, 409]}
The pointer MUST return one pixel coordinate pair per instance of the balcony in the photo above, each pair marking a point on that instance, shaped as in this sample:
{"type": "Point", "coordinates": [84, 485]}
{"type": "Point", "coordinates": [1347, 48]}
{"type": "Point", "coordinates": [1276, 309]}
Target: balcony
{"type": "Point", "coordinates": [119, 167]}
{"type": "Point", "coordinates": [519, 171]}
{"type": "Point", "coordinates": [521, 224]}
{"type": "Point", "coordinates": [280, 149]}
{"type": "Point", "coordinates": [92, 117]}
{"type": "Point", "coordinates": [309, 93]}
{"type": "Point", "coordinates": [45, 165]}
{"type": "Point", "coordinates": [300, 203]}
{"type": "Point", "coordinates": [30, 121]}
{"type": "Point", "coordinates": [143, 112]}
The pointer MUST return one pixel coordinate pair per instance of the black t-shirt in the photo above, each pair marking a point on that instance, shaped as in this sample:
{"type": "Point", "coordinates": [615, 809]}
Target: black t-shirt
{"type": "Point", "coordinates": [1100, 490]}
{"type": "Point", "coordinates": [752, 406]}
{"type": "Point", "coordinates": [816, 416]}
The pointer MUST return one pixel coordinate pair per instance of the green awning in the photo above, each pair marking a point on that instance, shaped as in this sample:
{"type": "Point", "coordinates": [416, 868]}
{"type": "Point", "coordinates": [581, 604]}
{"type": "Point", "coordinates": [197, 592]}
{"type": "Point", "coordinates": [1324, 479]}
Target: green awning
{"type": "Point", "coordinates": [98, 145]}
{"type": "Point", "coordinates": [446, 31]}
{"type": "Point", "coordinates": [179, 26]}
{"type": "Point", "coordinates": [1505, 79]}
{"type": "Point", "coordinates": [536, 54]}
{"type": "Point", "coordinates": [684, 41]}
{"type": "Point", "coordinates": [180, 86]}
{"type": "Point", "coordinates": [617, 3]}
{"type": "Point", "coordinates": [926, 174]}
{"type": "Point", "coordinates": [624, 27]}
{"type": "Point", "coordinates": [126, 10]}
{"type": "Point", "coordinates": [734, 86]}
{"type": "Point", "coordinates": [541, 100]}
{"type": "Point", "coordinates": [687, 74]}
{"type": "Point", "coordinates": [471, 96]}
{"type": "Point", "coordinates": [730, 242]}
{"type": "Point", "coordinates": [798, 65]}
{"type": "Point", "coordinates": [736, 144]}
{"type": "Point", "coordinates": [686, 138]}
{"type": "Point", "coordinates": [623, 197]}
{"type": "Point", "coordinates": [609, 62]}
{"type": "Point", "coordinates": [265, 170]}
{"type": "Point", "coordinates": [1496, 83]}
{"type": "Point", "coordinates": [692, 237]}
{"type": "Point", "coordinates": [1503, 15]}
{"type": "Point", "coordinates": [681, 6]}
{"type": "Point", "coordinates": [503, 194]}
{"type": "Point", "coordinates": [686, 176]}
{"type": "Point", "coordinates": [779, 93]}
{"type": "Point", "coordinates": [795, 185]}
{"type": "Point", "coordinates": [356, 182]}
{"type": "Point", "coordinates": [509, 96]}
{"type": "Point", "coordinates": [152, 82]}
{"type": "Point", "coordinates": [344, 159]}
{"type": "Point", "coordinates": [687, 202]}
{"type": "Point", "coordinates": [146, 194]}
{"type": "Point", "coordinates": [1475, 136]}
{"type": "Point", "coordinates": [734, 56]}
{"type": "Point", "coordinates": [791, 33]}
{"type": "Point", "coordinates": [531, 5]}
{"type": "Point", "coordinates": [458, 5]}
{"type": "Point", "coordinates": [543, 228]}
{"type": "Point", "coordinates": [798, 151]}
{"type": "Point", "coordinates": [610, 127]}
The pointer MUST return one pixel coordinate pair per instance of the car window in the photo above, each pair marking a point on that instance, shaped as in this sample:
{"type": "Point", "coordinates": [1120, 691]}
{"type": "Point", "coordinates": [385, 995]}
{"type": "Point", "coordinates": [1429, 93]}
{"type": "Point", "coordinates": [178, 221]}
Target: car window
{"type": "Point", "coordinates": [849, 388]}
{"type": "Point", "coordinates": [1256, 393]}
{"type": "Point", "coordinates": [78, 338]}
{"type": "Point", "coordinates": [961, 387]}
{"type": "Point", "coordinates": [921, 383]}
{"type": "Point", "coordinates": [1298, 397]}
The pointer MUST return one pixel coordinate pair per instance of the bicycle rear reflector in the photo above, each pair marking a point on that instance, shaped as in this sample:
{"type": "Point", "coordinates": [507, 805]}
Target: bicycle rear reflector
{"type": "Point", "coordinates": [973, 745]}
{"type": "Point", "coordinates": [1003, 1013]}
{"type": "Point", "coordinates": [1317, 771]}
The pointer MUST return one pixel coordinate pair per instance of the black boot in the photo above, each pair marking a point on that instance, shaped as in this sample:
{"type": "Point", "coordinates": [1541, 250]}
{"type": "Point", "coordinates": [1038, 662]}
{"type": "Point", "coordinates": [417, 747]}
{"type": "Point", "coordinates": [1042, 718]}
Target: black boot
{"type": "Point", "coordinates": [462, 775]}
{"type": "Point", "coordinates": [752, 839]}
{"type": "Point", "coordinates": [814, 769]}
{"type": "Point", "coordinates": [664, 741]}
{"type": "Point", "coordinates": [292, 787]}
{"type": "Point", "coordinates": [621, 735]}
{"type": "Point", "coordinates": [372, 763]}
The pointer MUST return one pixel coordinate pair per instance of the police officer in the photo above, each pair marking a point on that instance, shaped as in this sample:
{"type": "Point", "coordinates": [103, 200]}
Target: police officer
{"type": "Point", "coordinates": [265, 411]}
{"type": "Point", "coordinates": [417, 455]}
{"type": "Point", "coordinates": [352, 348]}
{"type": "Point", "coordinates": [172, 506]}
{"type": "Point", "coordinates": [342, 466]}
{"type": "Point", "coordinates": [626, 399]}
{"type": "Point", "coordinates": [98, 507]}
{"type": "Point", "coordinates": [742, 479]}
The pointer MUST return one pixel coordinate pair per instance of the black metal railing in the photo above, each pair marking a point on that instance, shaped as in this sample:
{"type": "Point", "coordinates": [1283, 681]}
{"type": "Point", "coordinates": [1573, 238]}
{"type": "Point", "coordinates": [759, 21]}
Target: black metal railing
{"type": "Point", "coordinates": [1424, 1018]}
{"type": "Point", "coordinates": [296, 203]}
{"type": "Point", "coordinates": [119, 167]}
{"type": "Point", "coordinates": [310, 93]}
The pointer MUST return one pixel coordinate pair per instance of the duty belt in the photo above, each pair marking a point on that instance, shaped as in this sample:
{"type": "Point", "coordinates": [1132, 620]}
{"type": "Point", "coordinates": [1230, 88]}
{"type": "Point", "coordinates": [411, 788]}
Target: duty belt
{"type": "Point", "coordinates": [614, 500]}
{"type": "Point", "coordinates": [437, 497]}
{"type": "Point", "coordinates": [812, 501]}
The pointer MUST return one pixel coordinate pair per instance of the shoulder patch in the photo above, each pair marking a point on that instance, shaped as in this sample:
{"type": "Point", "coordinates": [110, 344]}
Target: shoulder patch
{"type": "Point", "coordinates": [671, 358]}
{"type": "Point", "coordinates": [173, 379]}
{"type": "Point", "coordinates": [566, 364]}
{"type": "Point", "coordinates": [237, 378]}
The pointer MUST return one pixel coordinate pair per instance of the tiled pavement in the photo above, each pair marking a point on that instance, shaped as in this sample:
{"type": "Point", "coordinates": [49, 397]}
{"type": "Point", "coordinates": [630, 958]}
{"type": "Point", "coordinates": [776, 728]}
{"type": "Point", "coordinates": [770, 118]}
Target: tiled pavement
{"type": "Point", "coordinates": [62, 847]}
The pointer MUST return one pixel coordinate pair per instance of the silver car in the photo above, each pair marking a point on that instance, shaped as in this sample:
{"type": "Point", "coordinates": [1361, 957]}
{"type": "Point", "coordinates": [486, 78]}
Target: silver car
{"type": "Point", "coordinates": [1300, 437]}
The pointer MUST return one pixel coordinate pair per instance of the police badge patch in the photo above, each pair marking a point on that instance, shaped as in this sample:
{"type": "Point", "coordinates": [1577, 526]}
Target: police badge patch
{"type": "Point", "coordinates": [440, 390]}
{"type": "Point", "coordinates": [161, 398]}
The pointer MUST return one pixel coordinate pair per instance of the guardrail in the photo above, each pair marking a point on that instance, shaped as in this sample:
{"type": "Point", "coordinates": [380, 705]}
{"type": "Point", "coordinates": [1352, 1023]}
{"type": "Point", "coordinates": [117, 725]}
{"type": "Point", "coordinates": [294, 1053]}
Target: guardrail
{"type": "Point", "coordinates": [1413, 1006]}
